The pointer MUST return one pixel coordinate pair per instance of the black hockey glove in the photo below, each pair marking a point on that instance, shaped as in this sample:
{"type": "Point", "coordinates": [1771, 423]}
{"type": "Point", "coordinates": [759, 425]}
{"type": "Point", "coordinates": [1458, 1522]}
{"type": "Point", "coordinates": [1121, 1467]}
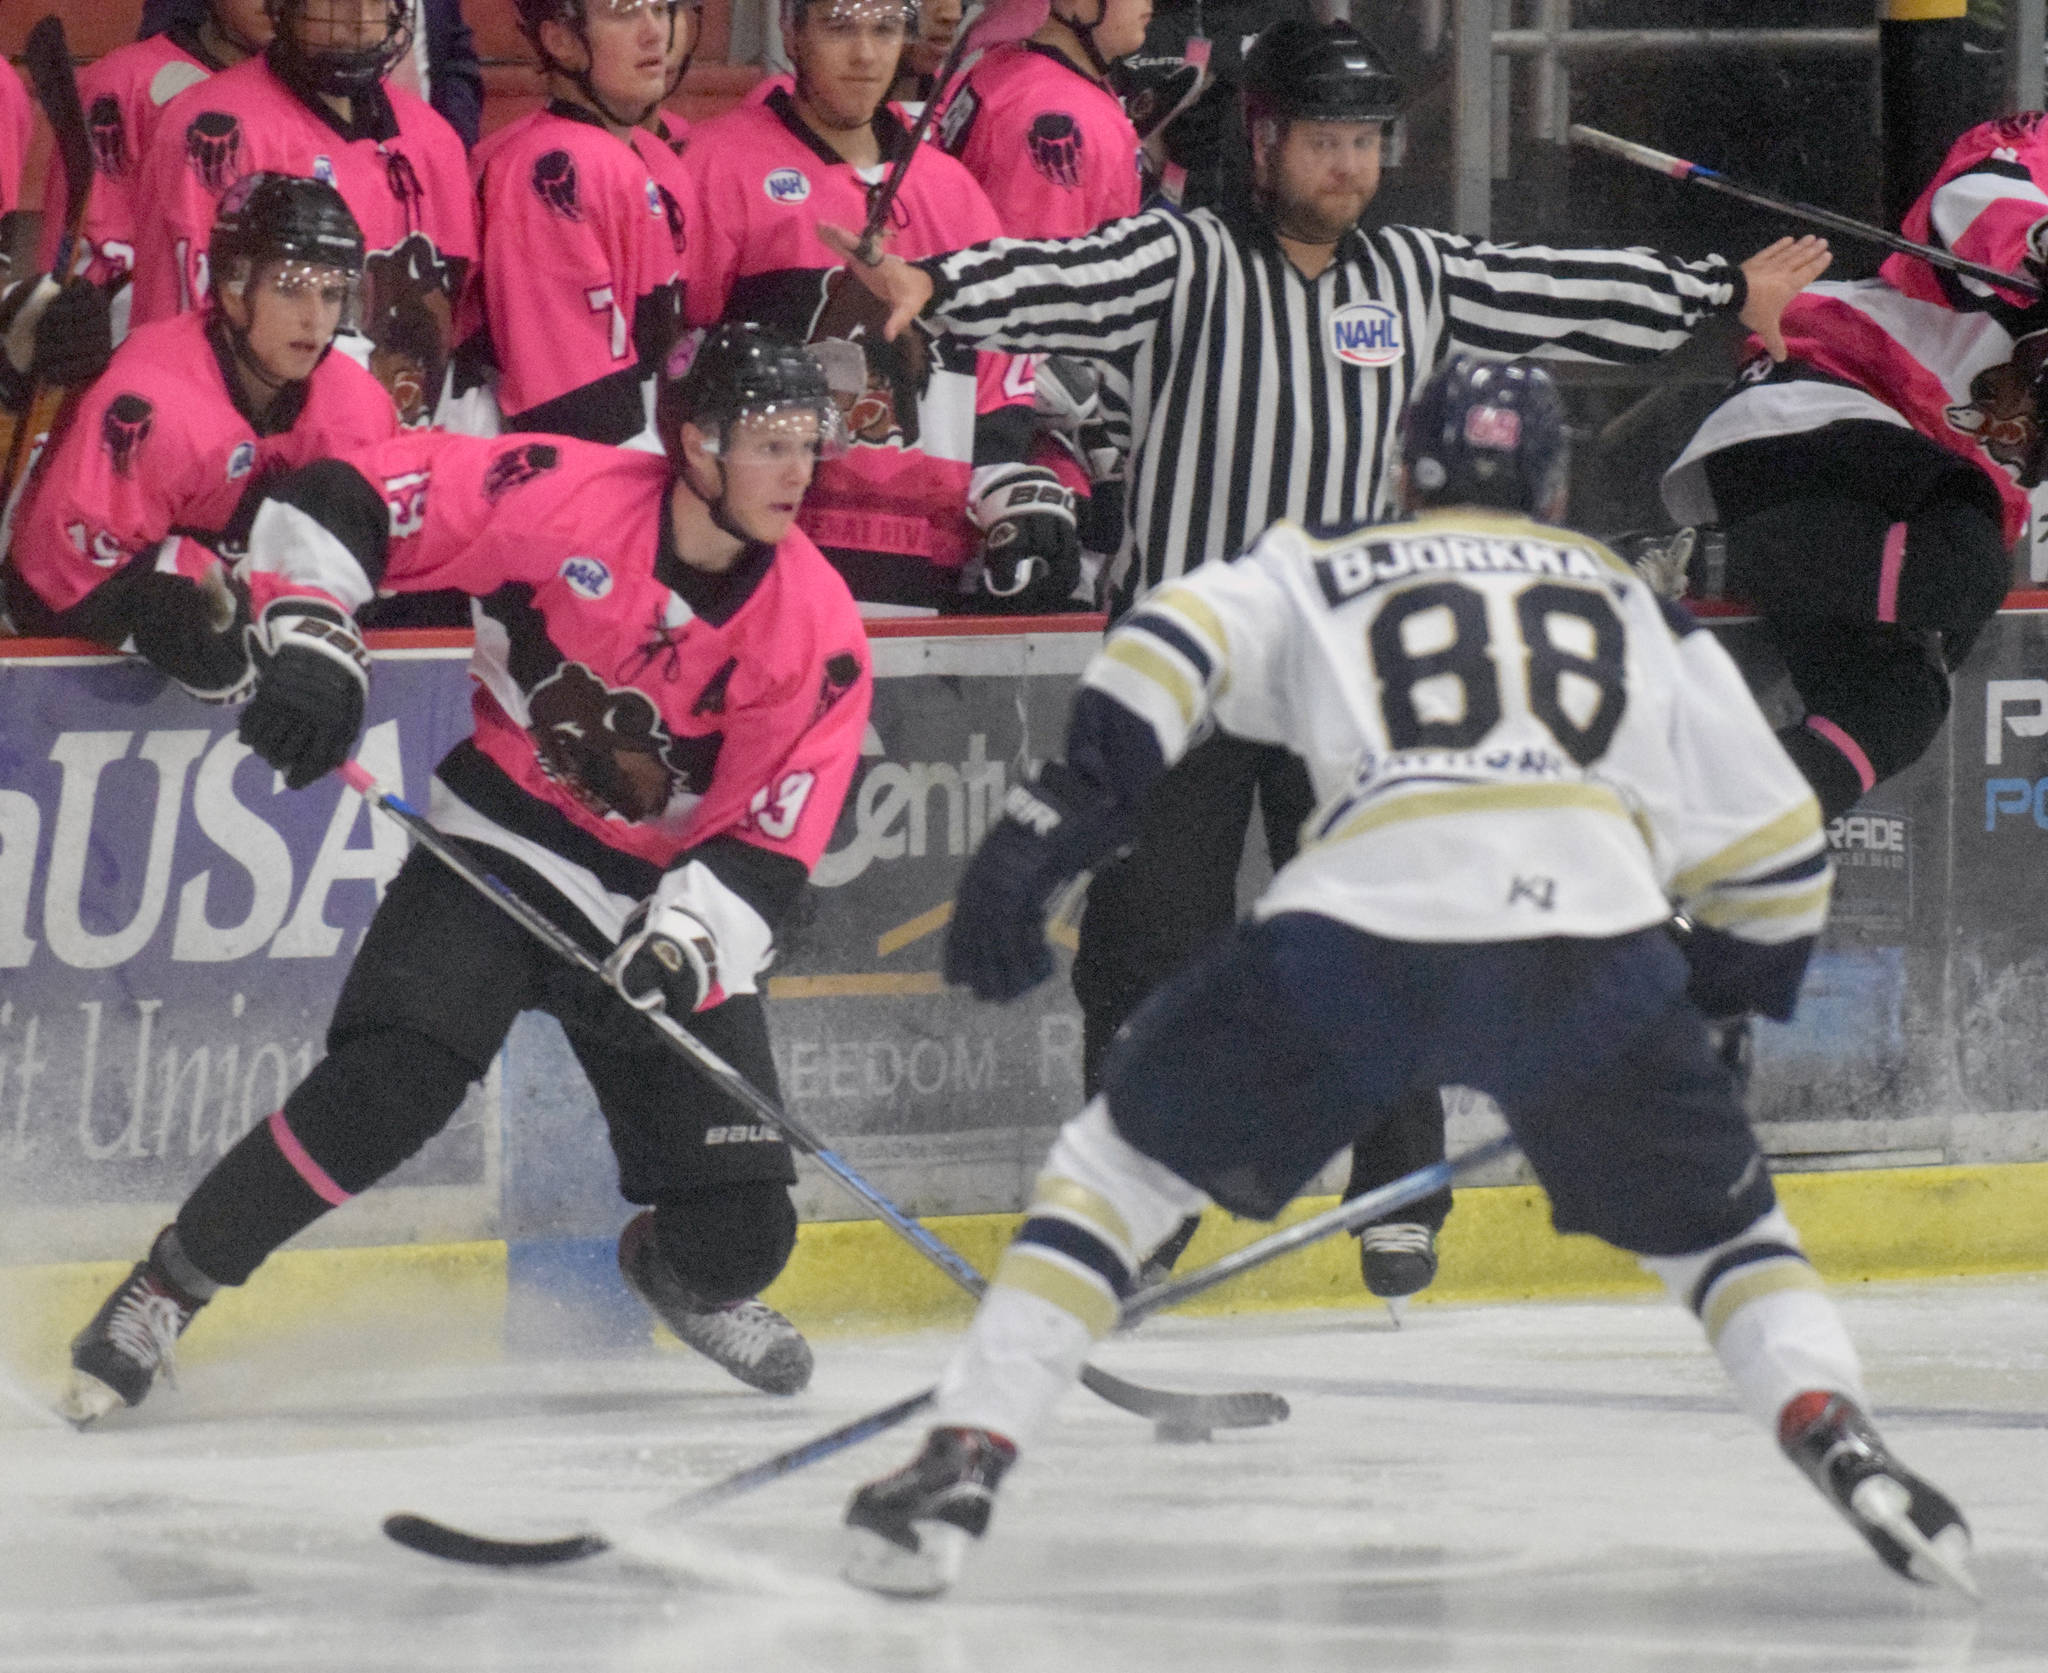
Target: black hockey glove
{"type": "Point", "coordinates": [1050, 832]}
{"type": "Point", "coordinates": [196, 632]}
{"type": "Point", "coordinates": [312, 676]}
{"type": "Point", "coordinates": [666, 960]}
{"type": "Point", "coordinates": [1030, 557]}
{"type": "Point", "coordinates": [75, 336]}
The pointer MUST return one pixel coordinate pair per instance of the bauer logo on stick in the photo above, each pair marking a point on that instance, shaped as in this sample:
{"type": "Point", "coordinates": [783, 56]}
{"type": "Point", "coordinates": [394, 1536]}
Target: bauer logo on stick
{"type": "Point", "coordinates": [1366, 334]}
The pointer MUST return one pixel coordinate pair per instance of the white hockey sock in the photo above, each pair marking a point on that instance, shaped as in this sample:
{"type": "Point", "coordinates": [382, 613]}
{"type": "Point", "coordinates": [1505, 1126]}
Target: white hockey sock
{"type": "Point", "coordinates": [1098, 1209]}
{"type": "Point", "coordinates": [1767, 1316]}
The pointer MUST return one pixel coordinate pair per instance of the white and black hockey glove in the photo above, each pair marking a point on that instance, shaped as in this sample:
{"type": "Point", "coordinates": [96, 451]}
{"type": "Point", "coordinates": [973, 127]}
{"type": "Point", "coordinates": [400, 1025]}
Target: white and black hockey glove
{"type": "Point", "coordinates": [1050, 832]}
{"type": "Point", "coordinates": [312, 679]}
{"type": "Point", "coordinates": [667, 959]}
{"type": "Point", "coordinates": [1030, 557]}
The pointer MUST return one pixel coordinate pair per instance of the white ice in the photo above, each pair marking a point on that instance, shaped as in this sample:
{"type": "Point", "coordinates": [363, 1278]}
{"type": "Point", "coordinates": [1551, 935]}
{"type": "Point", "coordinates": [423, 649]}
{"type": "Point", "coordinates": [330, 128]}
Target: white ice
{"type": "Point", "coordinates": [1531, 1488]}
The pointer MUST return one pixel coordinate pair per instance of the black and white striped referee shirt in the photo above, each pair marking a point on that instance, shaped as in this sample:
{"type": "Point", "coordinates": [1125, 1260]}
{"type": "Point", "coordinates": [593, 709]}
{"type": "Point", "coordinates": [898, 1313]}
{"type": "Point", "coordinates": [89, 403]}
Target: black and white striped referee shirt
{"type": "Point", "coordinates": [1246, 392]}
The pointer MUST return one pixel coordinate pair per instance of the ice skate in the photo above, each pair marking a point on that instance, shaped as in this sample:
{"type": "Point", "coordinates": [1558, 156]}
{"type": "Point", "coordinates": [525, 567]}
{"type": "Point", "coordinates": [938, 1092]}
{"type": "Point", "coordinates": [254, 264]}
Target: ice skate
{"type": "Point", "coordinates": [1397, 1259]}
{"type": "Point", "coordinates": [1679, 563]}
{"type": "Point", "coordinates": [1912, 1526]}
{"type": "Point", "coordinates": [748, 1338]}
{"type": "Point", "coordinates": [910, 1532]}
{"type": "Point", "coordinates": [133, 1336]}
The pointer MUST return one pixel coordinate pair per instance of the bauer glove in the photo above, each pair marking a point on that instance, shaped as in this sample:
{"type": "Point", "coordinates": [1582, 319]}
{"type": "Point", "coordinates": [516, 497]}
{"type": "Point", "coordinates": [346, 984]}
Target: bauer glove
{"type": "Point", "coordinates": [1049, 833]}
{"type": "Point", "coordinates": [1030, 557]}
{"type": "Point", "coordinates": [312, 677]}
{"type": "Point", "coordinates": [667, 959]}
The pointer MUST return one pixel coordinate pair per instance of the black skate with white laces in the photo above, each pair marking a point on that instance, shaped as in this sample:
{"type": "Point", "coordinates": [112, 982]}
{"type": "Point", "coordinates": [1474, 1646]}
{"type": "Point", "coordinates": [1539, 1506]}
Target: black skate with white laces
{"type": "Point", "coordinates": [116, 1357]}
{"type": "Point", "coordinates": [1397, 1258]}
{"type": "Point", "coordinates": [909, 1533]}
{"type": "Point", "coordinates": [748, 1338]}
{"type": "Point", "coordinates": [1914, 1527]}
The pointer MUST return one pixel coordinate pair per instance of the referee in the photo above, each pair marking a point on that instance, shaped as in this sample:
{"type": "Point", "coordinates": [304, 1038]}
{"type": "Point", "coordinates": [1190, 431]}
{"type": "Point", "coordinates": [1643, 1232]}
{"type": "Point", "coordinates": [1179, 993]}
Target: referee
{"type": "Point", "coordinates": [1255, 358]}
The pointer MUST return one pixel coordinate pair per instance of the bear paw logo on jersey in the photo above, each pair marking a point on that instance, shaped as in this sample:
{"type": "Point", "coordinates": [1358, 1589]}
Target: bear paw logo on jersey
{"type": "Point", "coordinates": [2000, 412]}
{"type": "Point", "coordinates": [213, 146]}
{"type": "Point", "coordinates": [518, 465]}
{"type": "Point", "coordinates": [409, 316]}
{"type": "Point", "coordinates": [1054, 142]}
{"type": "Point", "coordinates": [554, 183]}
{"type": "Point", "coordinates": [881, 405]}
{"type": "Point", "coordinates": [787, 185]}
{"type": "Point", "coordinates": [672, 212]}
{"type": "Point", "coordinates": [607, 747]}
{"type": "Point", "coordinates": [842, 673]}
{"type": "Point", "coordinates": [1366, 334]}
{"type": "Point", "coordinates": [124, 429]}
{"type": "Point", "coordinates": [108, 131]}
{"type": "Point", "coordinates": [586, 577]}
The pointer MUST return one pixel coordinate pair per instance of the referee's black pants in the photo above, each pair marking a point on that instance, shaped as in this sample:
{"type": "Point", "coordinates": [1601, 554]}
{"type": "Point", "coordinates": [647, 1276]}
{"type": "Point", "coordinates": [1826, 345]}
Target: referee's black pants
{"type": "Point", "coordinates": [1175, 893]}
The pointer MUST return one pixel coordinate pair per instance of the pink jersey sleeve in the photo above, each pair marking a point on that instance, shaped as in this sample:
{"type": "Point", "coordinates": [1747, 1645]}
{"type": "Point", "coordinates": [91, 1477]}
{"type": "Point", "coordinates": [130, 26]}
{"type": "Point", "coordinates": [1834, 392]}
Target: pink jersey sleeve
{"type": "Point", "coordinates": [580, 249]}
{"type": "Point", "coordinates": [174, 218]}
{"type": "Point", "coordinates": [716, 227]}
{"type": "Point", "coordinates": [1055, 157]}
{"type": "Point", "coordinates": [1988, 203]}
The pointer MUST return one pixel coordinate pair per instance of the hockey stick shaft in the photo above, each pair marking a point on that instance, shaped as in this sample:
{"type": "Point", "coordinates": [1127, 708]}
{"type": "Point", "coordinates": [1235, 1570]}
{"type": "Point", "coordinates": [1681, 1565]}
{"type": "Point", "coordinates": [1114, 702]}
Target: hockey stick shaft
{"type": "Point", "coordinates": [997, 22]}
{"type": "Point", "coordinates": [1677, 168]}
{"type": "Point", "coordinates": [435, 1539]}
{"type": "Point", "coordinates": [1245, 1409]}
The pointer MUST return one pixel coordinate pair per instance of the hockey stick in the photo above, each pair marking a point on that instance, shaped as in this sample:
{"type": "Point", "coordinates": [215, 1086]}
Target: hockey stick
{"type": "Point", "coordinates": [47, 58]}
{"type": "Point", "coordinates": [437, 1539]}
{"type": "Point", "coordinates": [1662, 162]}
{"type": "Point", "coordinates": [1221, 1411]}
{"type": "Point", "coordinates": [996, 24]}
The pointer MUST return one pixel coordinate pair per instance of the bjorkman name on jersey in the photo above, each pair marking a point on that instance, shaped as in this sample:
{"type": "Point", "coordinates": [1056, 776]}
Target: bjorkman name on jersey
{"type": "Point", "coordinates": [1358, 569]}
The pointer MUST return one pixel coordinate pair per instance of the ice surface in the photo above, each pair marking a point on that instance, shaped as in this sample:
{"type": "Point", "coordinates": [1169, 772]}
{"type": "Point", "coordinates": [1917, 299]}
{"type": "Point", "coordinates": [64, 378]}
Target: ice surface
{"type": "Point", "coordinates": [1526, 1488]}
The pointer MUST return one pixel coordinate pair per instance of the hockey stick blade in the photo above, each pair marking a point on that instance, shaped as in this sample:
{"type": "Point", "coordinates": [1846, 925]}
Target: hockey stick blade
{"type": "Point", "coordinates": [1695, 174]}
{"type": "Point", "coordinates": [1247, 1410]}
{"type": "Point", "coordinates": [47, 58]}
{"type": "Point", "coordinates": [436, 1539]}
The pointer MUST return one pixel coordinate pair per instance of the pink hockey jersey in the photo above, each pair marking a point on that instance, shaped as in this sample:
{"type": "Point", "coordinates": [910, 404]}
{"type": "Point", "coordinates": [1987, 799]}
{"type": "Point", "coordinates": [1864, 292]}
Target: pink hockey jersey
{"type": "Point", "coordinates": [582, 279]}
{"type": "Point", "coordinates": [160, 447]}
{"type": "Point", "coordinates": [1950, 357]}
{"type": "Point", "coordinates": [402, 171]}
{"type": "Point", "coordinates": [1052, 149]}
{"type": "Point", "coordinates": [123, 94]}
{"type": "Point", "coordinates": [17, 126]}
{"type": "Point", "coordinates": [921, 413]}
{"type": "Point", "coordinates": [629, 710]}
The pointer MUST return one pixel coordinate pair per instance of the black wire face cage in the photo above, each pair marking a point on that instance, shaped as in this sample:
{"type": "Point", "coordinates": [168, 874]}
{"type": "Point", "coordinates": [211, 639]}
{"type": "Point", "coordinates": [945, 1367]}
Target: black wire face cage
{"type": "Point", "coordinates": [311, 35]}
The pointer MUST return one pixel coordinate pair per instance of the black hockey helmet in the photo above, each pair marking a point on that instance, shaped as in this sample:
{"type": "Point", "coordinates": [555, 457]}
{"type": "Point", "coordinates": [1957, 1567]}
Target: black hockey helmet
{"type": "Point", "coordinates": [574, 15]}
{"type": "Point", "coordinates": [342, 71]}
{"type": "Point", "coordinates": [1302, 71]}
{"type": "Point", "coordinates": [282, 217]}
{"type": "Point", "coordinates": [1486, 432]}
{"type": "Point", "coordinates": [714, 378]}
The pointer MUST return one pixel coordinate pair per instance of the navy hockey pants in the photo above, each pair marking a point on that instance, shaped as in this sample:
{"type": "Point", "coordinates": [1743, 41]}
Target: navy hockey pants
{"type": "Point", "coordinates": [1249, 1069]}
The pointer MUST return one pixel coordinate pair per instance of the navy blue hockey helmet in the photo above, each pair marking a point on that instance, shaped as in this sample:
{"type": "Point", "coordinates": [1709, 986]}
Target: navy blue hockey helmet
{"type": "Point", "coordinates": [1486, 432]}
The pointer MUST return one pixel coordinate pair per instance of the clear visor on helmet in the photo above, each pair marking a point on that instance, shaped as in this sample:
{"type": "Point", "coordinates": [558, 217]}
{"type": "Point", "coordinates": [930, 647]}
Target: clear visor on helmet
{"type": "Point", "coordinates": [782, 433]}
{"type": "Point", "coordinates": [625, 10]}
{"type": "Point", "coordinates": [300, 281]}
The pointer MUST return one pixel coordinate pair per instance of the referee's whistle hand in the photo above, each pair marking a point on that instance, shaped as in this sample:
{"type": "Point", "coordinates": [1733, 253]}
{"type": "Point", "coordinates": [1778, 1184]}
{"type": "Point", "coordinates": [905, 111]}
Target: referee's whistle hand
{"type": "Point", "coordinates": [905, 288]}
{"type": "Point", "coordinates": [1774, 275]}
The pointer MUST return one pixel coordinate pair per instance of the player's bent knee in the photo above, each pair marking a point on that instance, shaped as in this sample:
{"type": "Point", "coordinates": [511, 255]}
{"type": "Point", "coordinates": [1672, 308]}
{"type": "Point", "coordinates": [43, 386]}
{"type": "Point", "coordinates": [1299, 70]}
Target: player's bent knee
{"type": "Point", "coordinates": [1956, 572]}
{"type": "Point", "coordinates": [730, 1243]}
{"type": "Point", "coordinates": [373, 1101]}
{"type": "Point", "coordinates": [1097, 1178]}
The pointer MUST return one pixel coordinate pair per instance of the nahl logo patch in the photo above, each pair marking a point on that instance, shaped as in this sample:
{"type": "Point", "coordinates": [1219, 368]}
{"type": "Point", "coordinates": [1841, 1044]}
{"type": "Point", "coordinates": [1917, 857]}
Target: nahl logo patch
{"type": "Point", "coordinates": [1366, 334]}
{"type": "Point", "coordinates": [787, 185]}
{"type": "Point", "coordinates": [587, 577]}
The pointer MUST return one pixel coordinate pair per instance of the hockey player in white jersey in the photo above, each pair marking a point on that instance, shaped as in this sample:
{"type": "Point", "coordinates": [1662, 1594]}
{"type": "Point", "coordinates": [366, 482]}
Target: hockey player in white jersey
{"type": "Point", "coordinates": [1522, 763]}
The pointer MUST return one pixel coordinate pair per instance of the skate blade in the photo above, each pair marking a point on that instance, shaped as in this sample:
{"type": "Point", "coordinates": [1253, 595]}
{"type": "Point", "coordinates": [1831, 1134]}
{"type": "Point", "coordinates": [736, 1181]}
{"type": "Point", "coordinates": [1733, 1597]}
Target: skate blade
{"type": "Point", "coordinates": [1940, 1561]}
{"type": "Point", "coordinates": [87, 1400]}
{"type": "Point", "coordinates": [881, 1565]}
{"type": "Point", "coordinates": [1396, 1306]}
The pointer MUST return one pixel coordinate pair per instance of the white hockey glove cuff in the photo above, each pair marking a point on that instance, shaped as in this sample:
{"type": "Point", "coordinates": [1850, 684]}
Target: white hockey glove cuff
{"type": "Point", "coordinates": [692, 944]}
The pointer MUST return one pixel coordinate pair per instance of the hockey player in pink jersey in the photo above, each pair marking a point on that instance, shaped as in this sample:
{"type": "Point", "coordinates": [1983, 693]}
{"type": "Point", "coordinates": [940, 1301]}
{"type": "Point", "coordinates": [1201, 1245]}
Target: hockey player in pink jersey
{"type": "Point", "coordinates": [316, 103]}
{"type": "Point", "coordinates": [934, 506]}
{"type": "Point", "coordinates": [582, 283]}
{"type": "Point", "coordinates": [122, 94]}
{"type": "Point", "coordinates": [665, 125]}
{"type": "Point", "coordinates": [174, 442]}
{"type": "Point", "coordinates": [1870, 487]}
{"type": "Point", "coordinates": [671, 688]}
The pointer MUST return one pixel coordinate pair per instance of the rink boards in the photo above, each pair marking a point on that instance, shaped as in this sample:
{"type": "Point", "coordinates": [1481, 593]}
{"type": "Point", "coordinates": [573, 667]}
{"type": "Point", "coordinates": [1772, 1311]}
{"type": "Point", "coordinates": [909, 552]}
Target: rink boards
{"type": "Point", "coordinates": [174, 927]}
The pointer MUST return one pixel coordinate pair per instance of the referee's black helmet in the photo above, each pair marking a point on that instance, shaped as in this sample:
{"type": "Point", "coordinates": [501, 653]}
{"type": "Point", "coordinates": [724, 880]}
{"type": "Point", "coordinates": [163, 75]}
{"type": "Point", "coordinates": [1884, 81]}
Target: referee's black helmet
{"type": "Point", "coordinates": [1318, 72]}
{"type": "Point", "coordinates": [1486, 432]}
